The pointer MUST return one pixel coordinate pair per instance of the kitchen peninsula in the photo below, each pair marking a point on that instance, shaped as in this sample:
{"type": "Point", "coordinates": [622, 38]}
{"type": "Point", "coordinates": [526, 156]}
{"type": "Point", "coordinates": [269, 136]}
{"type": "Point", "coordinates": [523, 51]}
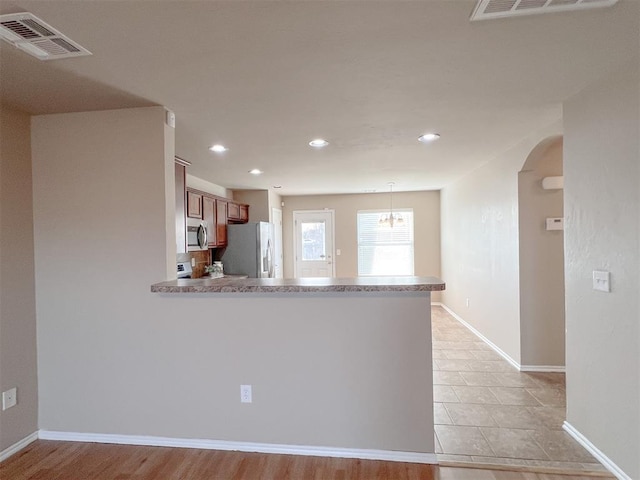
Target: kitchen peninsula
{"type": "Point", "coordinates": [329, 359]}
{"type": "Point", "coordinates": [234, 284]}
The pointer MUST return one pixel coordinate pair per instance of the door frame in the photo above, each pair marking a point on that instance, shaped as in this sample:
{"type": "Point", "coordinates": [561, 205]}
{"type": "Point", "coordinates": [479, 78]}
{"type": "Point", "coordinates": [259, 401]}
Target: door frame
{"type": "Point", "coordinates": [332, 213]}
{"type": "Point", "coordinates": [280, 246]}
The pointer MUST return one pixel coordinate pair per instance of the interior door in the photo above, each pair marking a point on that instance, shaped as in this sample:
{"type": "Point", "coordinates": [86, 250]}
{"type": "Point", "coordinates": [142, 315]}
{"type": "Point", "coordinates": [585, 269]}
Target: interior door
{"type": "Point", "coordinates": [314, 243]}
{"type": "Point", "coordinates": [276, 219]}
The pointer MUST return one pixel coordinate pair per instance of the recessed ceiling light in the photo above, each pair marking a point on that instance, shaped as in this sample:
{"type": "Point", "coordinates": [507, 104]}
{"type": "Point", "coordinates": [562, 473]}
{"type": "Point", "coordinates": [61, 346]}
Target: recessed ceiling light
{"type": "Point", "coordinates": [318, 143]}
{"type": "Point", "coordinates": [255, 171]}
{"type": "Point", "coordinates": [218, 148]}
{"type": "Point", "coordinates": [277, 186]}
{"type": "Point", "coordinates": [428, 137]}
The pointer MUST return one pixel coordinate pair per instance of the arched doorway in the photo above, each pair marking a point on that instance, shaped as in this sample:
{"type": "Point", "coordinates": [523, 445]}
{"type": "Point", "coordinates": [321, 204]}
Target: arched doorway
{"type": "Point", "coordinates": [542, 312]}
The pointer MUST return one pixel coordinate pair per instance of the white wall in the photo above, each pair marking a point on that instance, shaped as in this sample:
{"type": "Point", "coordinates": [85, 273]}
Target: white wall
{"type": "Point", "coordinates": [18, 356]}
{"type": "Point", "coordinates": [541, 256]}
{"type": "Point", "coordinates": [209, 187]}
{"type": "Point", "coordinates": [602, 208]}
{"type": "Point", "coordinates": [260, 203]}
{"type": "Point", "coordinates": [275, 201]}
{"type": "Point", "coordinates": [480, 245]}
{"type": "Point", "coordinates": [115, 358]}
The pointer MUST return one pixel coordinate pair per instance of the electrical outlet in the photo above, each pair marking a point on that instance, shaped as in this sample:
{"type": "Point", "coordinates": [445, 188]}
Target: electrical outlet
{"type": "Point", "coordinates": [245, 394]}
{"type": "Point", "coordinates": [9, 398]}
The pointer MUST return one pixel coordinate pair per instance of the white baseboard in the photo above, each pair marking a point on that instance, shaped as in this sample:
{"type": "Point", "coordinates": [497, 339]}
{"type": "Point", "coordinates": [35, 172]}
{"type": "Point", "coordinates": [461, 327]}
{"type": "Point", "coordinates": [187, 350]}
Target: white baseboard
{"type": "Point", "coordinates": [16, 447]}
{"type": "Point", "coordinates": [543, 368]}
{"type": "Point", "coordinates": [522, 368]}
{"type": "Point", "coordinates": [388, 455]}
{"type": "Point", "coordinates": [593, 450]}
{"type": "Point", "coordinates": [482, 337]}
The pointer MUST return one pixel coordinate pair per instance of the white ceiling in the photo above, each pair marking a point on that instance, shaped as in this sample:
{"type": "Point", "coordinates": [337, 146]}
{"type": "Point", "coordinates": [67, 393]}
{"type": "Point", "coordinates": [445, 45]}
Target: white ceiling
{"type": "Point", "coordinates": [266, 77]}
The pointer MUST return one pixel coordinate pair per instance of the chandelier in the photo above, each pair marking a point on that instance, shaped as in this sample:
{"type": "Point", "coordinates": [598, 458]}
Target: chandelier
{"type": "Point", "coordinates": [390, 219]}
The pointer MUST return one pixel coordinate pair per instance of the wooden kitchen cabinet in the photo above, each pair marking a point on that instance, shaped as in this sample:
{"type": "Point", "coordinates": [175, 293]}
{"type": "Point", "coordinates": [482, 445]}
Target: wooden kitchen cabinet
{"type": "Point", "coordinates": [233, 211]}
{"type": "Point", "coordinates": [237, 212]}
{"type": "Point", "coordinates": [244, 213]}
{"type": "Point", "coordinates": [209, 215]}
{"type": "Point", "coordinates": [221, 222]}
{"type": "Point", "coordinates": [194, 205]}
{"type": "Point", "coordinates": [217, 212]}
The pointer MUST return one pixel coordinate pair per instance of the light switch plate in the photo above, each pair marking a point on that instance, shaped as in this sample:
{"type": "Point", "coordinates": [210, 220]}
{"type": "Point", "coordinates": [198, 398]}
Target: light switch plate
{"type": "Point", "coordinates": [601, 281]}
{"type": "Point", "coordinates": [9, 398]}
{"type": "Point", "coordinates": [171, 119]}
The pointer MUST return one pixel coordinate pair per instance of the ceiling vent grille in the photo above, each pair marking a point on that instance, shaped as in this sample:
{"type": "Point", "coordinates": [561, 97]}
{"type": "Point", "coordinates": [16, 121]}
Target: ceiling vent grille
{"type": "Point", "coordinates": [27, 32]}
{"type": "Point", "coordinates": [486, 9]}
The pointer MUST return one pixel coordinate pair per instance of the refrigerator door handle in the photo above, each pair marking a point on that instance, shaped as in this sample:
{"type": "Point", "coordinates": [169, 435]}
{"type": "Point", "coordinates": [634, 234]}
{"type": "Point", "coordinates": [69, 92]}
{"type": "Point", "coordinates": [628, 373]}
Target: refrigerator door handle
{"type": "Point", "coordinates": [270, 259]}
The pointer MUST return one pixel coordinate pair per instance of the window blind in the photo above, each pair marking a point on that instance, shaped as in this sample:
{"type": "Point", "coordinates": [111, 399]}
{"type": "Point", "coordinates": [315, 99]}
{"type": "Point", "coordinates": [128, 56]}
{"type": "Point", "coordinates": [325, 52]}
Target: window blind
{"type": "Point", "coordinates": [382, 249]}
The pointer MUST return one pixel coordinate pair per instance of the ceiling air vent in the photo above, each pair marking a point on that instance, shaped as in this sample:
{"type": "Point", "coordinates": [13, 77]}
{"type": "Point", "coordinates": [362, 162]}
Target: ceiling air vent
{"type": "Point", "coordinates": [486, 9]}
{"type": "Point", "coordinates": [29, 33]}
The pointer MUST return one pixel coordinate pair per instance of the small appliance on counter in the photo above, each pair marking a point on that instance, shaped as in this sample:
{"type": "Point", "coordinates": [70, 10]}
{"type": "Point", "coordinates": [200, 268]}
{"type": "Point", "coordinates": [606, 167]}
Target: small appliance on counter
{"type": "Point", "coordinates": [218, 269]}
{"type": "Point", "coordinates": [215, 270]}
{"type": "Point", "coordinates": [184, 270]}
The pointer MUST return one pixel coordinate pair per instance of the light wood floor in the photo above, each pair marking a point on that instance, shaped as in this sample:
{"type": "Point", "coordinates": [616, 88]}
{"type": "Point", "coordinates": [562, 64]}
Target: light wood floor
{"type": "Point", "coordinates": [52, 460]}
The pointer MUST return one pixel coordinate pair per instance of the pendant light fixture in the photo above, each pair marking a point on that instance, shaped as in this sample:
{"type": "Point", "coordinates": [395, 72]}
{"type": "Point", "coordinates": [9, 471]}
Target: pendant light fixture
{"type": "Point", "coordinates": [392, 218]}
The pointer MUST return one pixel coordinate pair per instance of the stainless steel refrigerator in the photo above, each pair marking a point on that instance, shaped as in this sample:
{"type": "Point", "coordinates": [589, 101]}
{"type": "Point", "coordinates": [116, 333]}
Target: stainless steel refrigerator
{"type": "Point", "coordinates": [249, 250]}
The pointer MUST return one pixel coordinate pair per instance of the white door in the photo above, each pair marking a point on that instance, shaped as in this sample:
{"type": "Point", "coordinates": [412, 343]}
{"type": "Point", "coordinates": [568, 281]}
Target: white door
{"type": "Point", "coordinates": [313, 234]}
{"type": "Point", "coordinates": [276, 219]}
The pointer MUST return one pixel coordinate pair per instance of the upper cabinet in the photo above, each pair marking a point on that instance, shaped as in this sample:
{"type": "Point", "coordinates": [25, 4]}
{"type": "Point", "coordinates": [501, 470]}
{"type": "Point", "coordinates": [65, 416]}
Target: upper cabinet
{"type": "Point", "coordinates": [244, 213]}
{"type": "Point", "coordinates": [237, 212]}
{"type": "Point", "coordinates": [209, 215]}
{"type": "Point", "coordinates": [217, 212]}
{"type": "Point", "coordinates": [194, 204]}
{"type": "Point", "coordinates": [233, 211]}
{"type": "Point", "coordinates": [221, 222]}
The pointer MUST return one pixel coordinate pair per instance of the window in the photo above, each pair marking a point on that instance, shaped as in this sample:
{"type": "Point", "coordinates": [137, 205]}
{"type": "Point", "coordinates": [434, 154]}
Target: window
{"type": "Point", "coordinates": [313, 241]}
{"type": "Point", "coordinates": [384, 247]}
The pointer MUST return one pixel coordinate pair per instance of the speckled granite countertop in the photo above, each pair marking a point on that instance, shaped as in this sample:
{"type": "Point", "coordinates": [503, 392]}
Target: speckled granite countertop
{"type": "Point", "coordinates": [299, 285]}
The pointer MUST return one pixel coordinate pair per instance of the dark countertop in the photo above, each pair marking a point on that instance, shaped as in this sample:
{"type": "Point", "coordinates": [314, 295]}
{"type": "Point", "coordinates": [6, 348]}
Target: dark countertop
{"type": "Point", "coordinates": [233, 284]}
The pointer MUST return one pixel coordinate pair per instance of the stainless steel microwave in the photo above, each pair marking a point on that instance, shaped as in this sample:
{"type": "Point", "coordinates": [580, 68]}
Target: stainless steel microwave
{"type": "Point", "coordinates": [197, 238]}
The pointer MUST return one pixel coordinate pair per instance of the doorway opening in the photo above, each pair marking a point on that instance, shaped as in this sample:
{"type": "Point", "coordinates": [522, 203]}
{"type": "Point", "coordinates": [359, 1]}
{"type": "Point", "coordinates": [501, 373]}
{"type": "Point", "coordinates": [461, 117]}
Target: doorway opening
{"type": "Point", "coordinates": [541, 253]}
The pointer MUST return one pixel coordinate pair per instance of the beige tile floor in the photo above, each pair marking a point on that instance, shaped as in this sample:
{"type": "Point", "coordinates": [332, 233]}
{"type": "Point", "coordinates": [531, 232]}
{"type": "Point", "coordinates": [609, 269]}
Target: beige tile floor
{"type": "Point", "coordinates": [486, 411]}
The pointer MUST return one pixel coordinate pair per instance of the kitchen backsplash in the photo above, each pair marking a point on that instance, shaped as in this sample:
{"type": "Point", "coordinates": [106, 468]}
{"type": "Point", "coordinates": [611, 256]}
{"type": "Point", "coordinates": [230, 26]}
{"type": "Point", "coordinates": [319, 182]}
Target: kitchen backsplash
{"type": "Point", "coordinates": [202, 260]}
